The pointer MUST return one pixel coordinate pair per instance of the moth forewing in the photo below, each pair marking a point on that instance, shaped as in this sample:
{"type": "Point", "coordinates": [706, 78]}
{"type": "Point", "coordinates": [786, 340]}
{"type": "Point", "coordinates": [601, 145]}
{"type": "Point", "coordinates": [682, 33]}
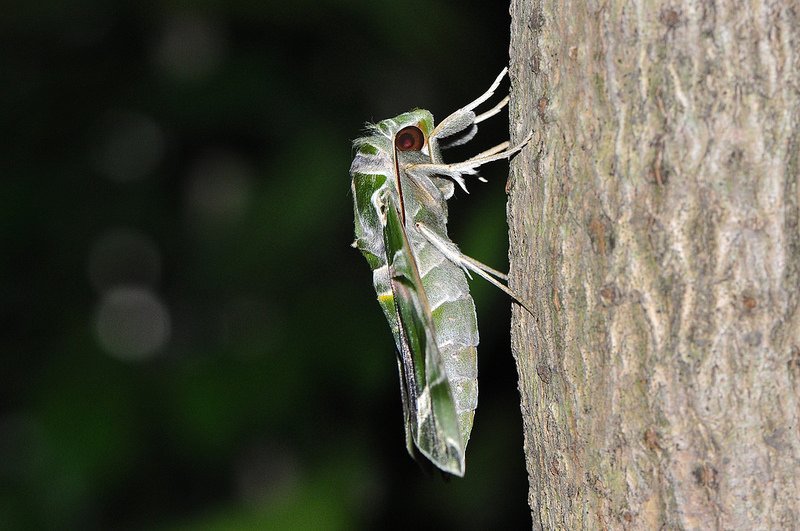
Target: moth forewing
{"type": "Point", "coordinates": [400, 190]}
{"type": "Point", "coordinates": [433, 419]}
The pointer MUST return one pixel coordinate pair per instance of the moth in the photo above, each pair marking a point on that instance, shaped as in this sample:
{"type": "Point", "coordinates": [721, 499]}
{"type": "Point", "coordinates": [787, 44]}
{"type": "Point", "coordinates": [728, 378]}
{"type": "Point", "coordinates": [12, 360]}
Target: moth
{"type": "Point", "coordinates": [400, 187]}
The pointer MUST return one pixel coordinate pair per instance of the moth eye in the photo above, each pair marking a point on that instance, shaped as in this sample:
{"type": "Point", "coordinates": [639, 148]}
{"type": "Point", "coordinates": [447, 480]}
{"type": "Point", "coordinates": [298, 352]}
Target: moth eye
{"type": "Point", "coordinates": [409, 139]}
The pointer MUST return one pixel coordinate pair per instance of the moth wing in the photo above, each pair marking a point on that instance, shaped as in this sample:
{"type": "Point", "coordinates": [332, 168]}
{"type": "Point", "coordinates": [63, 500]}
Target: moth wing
{"type": "Point", "coordinates": [429, 406]}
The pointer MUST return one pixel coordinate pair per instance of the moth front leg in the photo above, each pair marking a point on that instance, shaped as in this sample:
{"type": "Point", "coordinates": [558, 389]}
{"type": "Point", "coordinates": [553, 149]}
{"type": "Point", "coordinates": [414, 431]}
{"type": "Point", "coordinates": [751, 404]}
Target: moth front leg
{"type": "Point", "coordinates": [465, 116]}
{"type": "Point", "coordinates": [462, 125]}
{"type": "Point", "coordinates": [464, 120]}
{"type": "Point", "coordinates": [494, 110]}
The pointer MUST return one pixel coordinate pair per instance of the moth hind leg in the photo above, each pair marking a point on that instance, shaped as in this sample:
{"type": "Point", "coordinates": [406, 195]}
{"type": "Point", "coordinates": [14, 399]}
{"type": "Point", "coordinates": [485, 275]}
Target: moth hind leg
{"type": "Point", "coordinates": [452, 253]}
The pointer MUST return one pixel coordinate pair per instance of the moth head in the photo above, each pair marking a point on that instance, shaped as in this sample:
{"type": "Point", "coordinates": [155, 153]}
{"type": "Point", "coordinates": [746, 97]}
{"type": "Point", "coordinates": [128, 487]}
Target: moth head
{"type": "Point", "coordinates": [406, 134]}
{"type": "Point", "coordinates": [411, 130]}
{"type": "Point", "coordinates": [409, 138]}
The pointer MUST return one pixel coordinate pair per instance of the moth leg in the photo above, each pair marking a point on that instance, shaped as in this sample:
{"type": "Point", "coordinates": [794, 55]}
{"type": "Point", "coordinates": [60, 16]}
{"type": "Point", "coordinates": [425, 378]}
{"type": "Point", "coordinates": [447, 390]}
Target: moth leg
{"type": "Point", "coordinates": [465, 117]}
{"type": "Point", "coordinates": [468, 167]}
{"type": "Point", "coordinates": [491, 151]}
{"type": "Point", "coordinates": [488, 152]}
{"type": "Point", "coordinates": [481, 265]}
{"type": "Point", "coordinates": [452, 253]}
{"type": "Point", "coordinates": [489, 93]}
{"type": "Point", "coordinates": [494, 110]}
{"type": "Point", "coordinates": [498, 152]}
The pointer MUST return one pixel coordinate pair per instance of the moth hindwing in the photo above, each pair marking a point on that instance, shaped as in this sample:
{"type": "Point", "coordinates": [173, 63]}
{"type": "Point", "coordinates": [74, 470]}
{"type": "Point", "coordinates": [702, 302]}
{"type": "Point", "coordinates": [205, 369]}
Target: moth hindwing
{"type": "Point", "coordinates": [400, 187]}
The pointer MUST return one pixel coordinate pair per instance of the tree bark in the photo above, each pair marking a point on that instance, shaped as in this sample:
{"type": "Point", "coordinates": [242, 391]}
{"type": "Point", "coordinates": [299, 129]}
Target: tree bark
{"type": "Point", "coordinates": [654, 229]}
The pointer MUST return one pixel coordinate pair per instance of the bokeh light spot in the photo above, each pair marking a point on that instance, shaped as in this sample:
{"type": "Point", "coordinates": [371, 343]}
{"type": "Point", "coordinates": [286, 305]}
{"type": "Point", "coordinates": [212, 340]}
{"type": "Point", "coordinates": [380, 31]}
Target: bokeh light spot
{"type": "Point", "coordinates": [132, 323]}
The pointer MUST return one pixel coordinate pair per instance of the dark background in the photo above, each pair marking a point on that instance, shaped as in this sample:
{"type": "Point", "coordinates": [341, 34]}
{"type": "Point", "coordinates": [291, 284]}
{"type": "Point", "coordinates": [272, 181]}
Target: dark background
{"type": "Point", "coordinates": [188, 341]}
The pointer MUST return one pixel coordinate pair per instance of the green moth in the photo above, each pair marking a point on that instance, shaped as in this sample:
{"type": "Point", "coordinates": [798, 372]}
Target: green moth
{"type": "Point", "coordinates": [400, 188]}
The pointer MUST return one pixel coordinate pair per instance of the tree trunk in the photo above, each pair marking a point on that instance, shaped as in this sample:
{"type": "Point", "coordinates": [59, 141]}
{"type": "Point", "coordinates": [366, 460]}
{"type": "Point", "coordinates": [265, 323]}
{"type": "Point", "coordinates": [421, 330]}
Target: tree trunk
{"type": "Point", "coordinates": [654, 230]}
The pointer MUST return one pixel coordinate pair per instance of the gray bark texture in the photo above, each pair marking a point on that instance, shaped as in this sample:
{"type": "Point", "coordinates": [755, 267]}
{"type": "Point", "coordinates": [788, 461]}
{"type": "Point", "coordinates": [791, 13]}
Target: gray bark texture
{"type": "Point", "coordinates": [654, 231]}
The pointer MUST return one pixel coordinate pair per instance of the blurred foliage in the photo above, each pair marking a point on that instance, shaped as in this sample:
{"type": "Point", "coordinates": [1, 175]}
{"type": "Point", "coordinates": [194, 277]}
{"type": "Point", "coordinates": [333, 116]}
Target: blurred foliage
{"type": "Point", "coordinates": [188, 340]}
